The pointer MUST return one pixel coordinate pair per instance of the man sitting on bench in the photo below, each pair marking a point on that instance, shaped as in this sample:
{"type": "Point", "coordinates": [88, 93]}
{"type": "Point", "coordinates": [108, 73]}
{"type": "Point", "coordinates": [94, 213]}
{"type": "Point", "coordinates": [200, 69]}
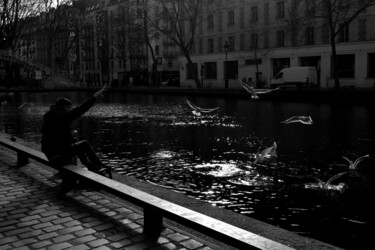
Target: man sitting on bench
{"type": "Point", "coordinates": [59, 145]}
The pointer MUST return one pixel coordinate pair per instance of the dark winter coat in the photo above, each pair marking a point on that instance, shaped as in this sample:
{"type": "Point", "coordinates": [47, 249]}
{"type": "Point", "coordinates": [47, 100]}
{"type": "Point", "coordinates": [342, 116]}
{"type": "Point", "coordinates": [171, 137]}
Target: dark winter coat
{"type": "Point", "coordinates": [56, 130]}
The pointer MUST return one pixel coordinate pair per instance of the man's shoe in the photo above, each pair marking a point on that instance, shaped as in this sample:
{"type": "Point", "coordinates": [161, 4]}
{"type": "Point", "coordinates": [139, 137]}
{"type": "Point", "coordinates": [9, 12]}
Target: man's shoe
{"type": "Point", "coordinates": [105, 171]}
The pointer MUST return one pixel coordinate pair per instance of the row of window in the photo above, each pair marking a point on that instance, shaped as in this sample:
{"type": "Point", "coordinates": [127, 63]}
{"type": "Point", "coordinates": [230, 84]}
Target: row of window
{"type": "Point", "coordinates": [209, 70]}
{"type": "Point", "coordinates": [243, 44]}
{"type": "Point", "coordinates": [254, 16]}
{"type": "Point", "coordinates": [345, 67]}
{"type": "Point", "coordinates": [137, 63]}
{"type": "Point", "coordinates": [253, 43]}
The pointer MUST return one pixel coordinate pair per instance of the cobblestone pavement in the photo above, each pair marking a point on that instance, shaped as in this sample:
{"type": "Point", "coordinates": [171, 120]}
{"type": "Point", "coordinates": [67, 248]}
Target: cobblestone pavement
{"type": "Point", "coordinates": [33, 217]}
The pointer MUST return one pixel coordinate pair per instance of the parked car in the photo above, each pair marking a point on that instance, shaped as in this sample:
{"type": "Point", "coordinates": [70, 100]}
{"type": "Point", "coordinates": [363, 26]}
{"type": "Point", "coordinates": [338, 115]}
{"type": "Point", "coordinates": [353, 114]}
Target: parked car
{"type": "Point", "coordinates": [296, 76]}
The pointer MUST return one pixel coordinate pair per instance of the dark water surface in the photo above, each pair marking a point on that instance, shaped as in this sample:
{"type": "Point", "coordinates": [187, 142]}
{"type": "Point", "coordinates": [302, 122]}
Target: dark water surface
{"type": "Point", "coordinates": [156, 138]}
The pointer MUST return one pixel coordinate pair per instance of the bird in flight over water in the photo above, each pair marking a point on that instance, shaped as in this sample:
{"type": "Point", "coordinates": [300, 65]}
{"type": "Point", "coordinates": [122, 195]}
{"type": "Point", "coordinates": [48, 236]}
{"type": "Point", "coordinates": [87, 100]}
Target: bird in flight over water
{"type": "Point", "coordinates": [353, 165]}
{"type": "Point", "coordinates": [266, 153]}
{"type": "Point", "coordinates": [198, 110]}
{"type": "Point", "coordinates": [255, 92]}
{"type": "Point", "coordinates": [328, 184]}
{"type": "Point", "coordinates": [301, 119]}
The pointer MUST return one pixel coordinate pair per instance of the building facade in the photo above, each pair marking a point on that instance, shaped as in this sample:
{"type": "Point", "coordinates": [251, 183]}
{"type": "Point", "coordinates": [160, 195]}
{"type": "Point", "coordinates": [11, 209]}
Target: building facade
{"type": "Point", "coordinates": [112, 41]}
{"type": "Point", "coordinates": [117, 46]}
{"type": "Point", "coordinates": [101, 41]}
{"type": "Point", "coordinates": [264, 36]}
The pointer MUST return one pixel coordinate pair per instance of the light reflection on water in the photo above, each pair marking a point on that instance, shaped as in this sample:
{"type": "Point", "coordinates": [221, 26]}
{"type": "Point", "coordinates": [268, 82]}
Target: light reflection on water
{"type": "Point", "coordinates": [158, 140]}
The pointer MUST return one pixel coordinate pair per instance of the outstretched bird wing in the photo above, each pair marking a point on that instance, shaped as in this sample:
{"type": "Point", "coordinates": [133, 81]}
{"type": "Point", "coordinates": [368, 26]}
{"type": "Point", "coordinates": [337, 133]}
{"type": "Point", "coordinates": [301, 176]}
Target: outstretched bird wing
{"type": "Point", "coordinates": [290, 120]}
{"type": "Point", "coordinates": [270, 151]}
{"type": "Point", "coordinates": [360, 159]}
{"type": "Point", "coordinates": [203, 110]}
{"type": "Point", "coordinates": [302, 119]}
{"type": "Point", "coordinates": [264, 91]}
{"type": "Point", "coordinates": [335, 177]}
{"type": "Point", "coordinates": [249, 89]}
{"type": "Point", "coordinates": [192, 105]}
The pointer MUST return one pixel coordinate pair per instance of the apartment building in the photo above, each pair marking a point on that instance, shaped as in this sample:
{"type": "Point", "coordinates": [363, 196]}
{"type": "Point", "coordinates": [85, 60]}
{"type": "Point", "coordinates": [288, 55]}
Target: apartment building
{"type": "Point", "coordinates": [257, 38]}
{"type": "Point", "coordinates": [102, 41]}
{"type": "Point", "coordinates": [115, 46]}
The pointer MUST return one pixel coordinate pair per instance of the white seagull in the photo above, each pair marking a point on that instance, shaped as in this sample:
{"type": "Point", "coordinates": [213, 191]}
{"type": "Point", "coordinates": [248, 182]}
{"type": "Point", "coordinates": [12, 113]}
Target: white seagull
{"type": "Point", "coordinates": [353, 165]}
{"type": "Point", "coordinates": [327, 185]}
{"type": "Point", "coordinates": [302, 119]}
{"type": "Point", "coordinates": [255, 92]}
{"type": "Point", "coordinates": [198, 110]}
{"type": "Point", "coordinates": [266, 153]}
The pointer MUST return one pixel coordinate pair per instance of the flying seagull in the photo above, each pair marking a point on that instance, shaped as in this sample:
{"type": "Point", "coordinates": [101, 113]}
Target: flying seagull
{"type": "Point", "coordinates": [266, 153]}
{"type": "Point", "coordinates": [327, 185]}
{"type": "Point", "coordinates": [250, 90]}
{"type": "Point", "coordinates": [353, 165]}
{"type": "Point", "coordinates": [302, 119]}
{"type": "Point", "coordinates": [255, 92]}
{"type": "Point", "coordinates": [198, 110]}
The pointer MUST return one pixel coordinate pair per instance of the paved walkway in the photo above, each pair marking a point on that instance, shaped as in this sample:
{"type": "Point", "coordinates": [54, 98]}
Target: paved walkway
{"type": "Point", "coordinates": [32, 217]}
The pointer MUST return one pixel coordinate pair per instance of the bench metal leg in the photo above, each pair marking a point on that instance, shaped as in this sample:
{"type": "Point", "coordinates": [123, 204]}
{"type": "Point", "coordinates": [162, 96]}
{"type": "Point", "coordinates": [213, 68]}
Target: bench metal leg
{"type": "Point", "coordinates": [22, 159]}
{"type": "Point", "coordinates": [68, 182]}
{"type": "Point", "coordinates": [153, 222]}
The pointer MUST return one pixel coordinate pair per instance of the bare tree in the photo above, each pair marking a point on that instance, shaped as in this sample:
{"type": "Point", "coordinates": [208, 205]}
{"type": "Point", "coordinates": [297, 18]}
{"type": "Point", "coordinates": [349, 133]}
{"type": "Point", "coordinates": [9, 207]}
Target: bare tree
{"type": "Point", "coordinates": [257, 54]}
{"type": "Point", "coordinates": [14, 17]}
{"type": "Point", "coordinates": [295, 22]}
{"type": "Point", "coordinates": [174, 17]}
{"type": "Point", "coordinates": [78, 19]}
{"type": "Point", "coordinates": [336, 15]}
{"type": "Point", "coordinates": [101, 20]}
{"type": "Point", "coordinates": [54, 24]}
{"type": "Point", "coordinates": [121, 30]}
{"type": "Point", "coordinates": [149, 35]}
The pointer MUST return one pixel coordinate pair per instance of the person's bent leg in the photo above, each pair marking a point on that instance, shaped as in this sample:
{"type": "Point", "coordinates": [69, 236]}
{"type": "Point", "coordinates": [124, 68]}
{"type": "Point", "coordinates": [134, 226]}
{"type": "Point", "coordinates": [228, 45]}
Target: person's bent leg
{"type": "Point", "coordinates": [93, 163]}
{"type": "Point", "coordinates": [83, 149]}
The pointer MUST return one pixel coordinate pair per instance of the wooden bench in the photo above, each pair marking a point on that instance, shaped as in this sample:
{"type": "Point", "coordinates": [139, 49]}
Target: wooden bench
{"type": "Point", "coordinates": [154, 208]}
{"type": "Point", "coordinates": [23, 152]}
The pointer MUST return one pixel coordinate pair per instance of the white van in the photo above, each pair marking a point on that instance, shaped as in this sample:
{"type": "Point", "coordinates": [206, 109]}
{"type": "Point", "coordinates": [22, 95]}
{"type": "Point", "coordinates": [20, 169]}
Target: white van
{"type": "Point", "coordinates": [298, 76]}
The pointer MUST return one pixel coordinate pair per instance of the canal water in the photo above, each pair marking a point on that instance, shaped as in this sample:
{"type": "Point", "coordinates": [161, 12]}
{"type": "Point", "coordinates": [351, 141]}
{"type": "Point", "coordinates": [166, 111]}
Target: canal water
{"type": "Point", "coordinates": [157, 138]}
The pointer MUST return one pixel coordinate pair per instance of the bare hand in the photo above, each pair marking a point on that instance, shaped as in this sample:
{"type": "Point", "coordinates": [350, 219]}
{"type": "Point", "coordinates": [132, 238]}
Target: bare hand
{"type": "Point", "coordinates": [100, 92]}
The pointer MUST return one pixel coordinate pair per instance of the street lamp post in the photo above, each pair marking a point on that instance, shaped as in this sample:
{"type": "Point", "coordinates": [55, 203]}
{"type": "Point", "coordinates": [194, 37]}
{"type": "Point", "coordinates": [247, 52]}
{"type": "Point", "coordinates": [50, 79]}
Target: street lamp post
{"type": "Point", "coordinates": [226, 47]}
{"type": "Point", "coordinates": [202, 73]}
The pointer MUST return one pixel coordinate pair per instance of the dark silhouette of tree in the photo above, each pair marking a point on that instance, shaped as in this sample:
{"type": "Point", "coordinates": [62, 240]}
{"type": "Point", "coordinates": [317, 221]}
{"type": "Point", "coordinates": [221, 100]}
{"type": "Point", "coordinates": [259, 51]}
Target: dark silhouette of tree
{"type": "Point", "coordinates": [178, 21]}
{"type": "Point", "coordinates": [14, 18]}
{"type": "Point", "coordinates": [336, 15]}
{"type": "Point", "coordinates": [121, 29]}
{"type": "Point", "coordinates": [149, 36]}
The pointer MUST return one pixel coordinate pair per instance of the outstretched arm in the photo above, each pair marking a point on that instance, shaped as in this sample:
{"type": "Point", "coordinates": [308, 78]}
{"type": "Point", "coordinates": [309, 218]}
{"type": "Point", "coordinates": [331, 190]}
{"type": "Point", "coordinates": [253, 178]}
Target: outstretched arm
{"type": "Point", "coordinates": [100, 92]}
{"type": "Point", "coordinates": [84, 107]}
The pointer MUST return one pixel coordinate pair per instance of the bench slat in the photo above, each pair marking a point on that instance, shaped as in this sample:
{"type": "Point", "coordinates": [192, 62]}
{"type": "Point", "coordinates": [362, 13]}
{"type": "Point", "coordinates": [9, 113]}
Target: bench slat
{"type": "Point", "coordinates": [24, 150]}
{"type": "Point", "coordinates": [208, 225]}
